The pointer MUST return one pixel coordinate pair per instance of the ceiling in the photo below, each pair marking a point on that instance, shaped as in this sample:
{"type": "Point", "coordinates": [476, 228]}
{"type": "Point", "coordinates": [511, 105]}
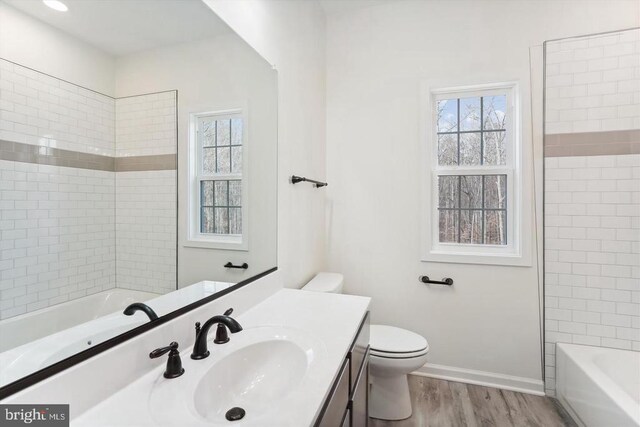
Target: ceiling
{"type": "Point", "coordinates": [121, 27]}
{"type": "Point", "coordinates": [341, 6]}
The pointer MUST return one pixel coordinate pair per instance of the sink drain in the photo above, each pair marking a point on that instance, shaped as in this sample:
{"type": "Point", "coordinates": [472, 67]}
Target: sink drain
{"type": "Point", "coordinates": [235, 414]}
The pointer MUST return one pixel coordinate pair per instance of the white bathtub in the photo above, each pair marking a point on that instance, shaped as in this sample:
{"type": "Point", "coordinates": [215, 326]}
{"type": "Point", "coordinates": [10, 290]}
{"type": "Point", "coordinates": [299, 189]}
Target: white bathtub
{"type": "Point", "coordinates": [32, 341]}
{"type": "Point", "coordinates": [28, 327]}
{"type": "Point", "coordinates": [599, 386]}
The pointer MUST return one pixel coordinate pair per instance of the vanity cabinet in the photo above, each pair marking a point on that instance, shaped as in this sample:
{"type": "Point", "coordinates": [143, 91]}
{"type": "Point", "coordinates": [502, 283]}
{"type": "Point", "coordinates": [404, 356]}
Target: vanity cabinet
{"type": "Point", "coordinates": [348, 402]}
{"type": "Point", "coordinates": [360, 397]}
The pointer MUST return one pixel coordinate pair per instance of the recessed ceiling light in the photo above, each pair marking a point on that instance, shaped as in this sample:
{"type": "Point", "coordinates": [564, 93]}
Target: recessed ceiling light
{"type": "Point", "coordinates": [56, 5]}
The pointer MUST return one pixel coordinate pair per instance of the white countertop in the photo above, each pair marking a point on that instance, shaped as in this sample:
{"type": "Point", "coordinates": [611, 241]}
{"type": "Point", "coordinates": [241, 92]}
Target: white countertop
{"type": "Point", "coordinates": [327, 324]}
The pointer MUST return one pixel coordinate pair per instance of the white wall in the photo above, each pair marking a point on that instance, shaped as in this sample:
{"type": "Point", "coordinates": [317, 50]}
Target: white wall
{"type": "Point", "coordinates": [291, 35]}
{"type": "Point", "coordinates": [377, 59]}
{"type": "Point", "coordinates": [229, 75]}
{"type": "Point", "coordinates": [36, 45]}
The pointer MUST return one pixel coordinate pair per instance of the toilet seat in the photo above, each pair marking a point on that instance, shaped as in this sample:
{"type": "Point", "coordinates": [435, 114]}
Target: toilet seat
{"type": "Point", "coordinates": [396, 343]}
{"type": "Point", "coordinates": [399, 355]}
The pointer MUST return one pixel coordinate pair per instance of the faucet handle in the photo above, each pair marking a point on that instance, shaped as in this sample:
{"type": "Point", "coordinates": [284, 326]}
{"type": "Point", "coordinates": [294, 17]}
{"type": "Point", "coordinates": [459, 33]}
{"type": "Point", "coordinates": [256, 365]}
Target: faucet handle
{"type": "Point", "coordinates": [197, 328]}
{"type": "Point", "coordinates": [163, 350]}
{"type": "Point", "coordinates": [174, 363]}
{"type": "Point", "coordinates": [228, 312]}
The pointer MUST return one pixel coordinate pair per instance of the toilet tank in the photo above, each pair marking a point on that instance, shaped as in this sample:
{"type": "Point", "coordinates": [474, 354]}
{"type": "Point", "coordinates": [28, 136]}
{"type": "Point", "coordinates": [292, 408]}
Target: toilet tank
{"type": "Point", "coordinates": [325, 282]}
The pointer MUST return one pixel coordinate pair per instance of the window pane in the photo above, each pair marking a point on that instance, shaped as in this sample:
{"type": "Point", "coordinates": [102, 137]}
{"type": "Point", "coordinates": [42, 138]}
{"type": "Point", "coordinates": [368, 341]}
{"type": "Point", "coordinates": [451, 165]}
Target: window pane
{"type": "Point", "coordinates": [471, 226]}
{"type": "Point", "coordinates": [208, 160]}
{"type": "Point", "coordinates": [221, 193]}
{"type": "Point", "coordinates": [206, 193]}
{"type": "Point", "coordinates": [471, 192]}
{"type": "Point", "coordinates": [208, 133]}
{"type": "Point", "coordinates": [235, 193]}
{"type": "Point", "coordinates": [223, 132]}
{"type": "Point", "coordinates": [206, 220]}
{"type": "Point", "coordinates": [222, 221]}
{"type": "Point", "coordinates": [448, 225]}
{"type": "Point", "coordinates": [494, 111]}
{"type": "Point", "coordinates": [448, 149]}
{"type": "Point", "coordinates": [495, 191]}
{"type": "Point", "coordinates": [448, 191]}
{"type": "Point", "coordinates": [471, 131]}
{"type": "Point", "coordinates": [447, 115]}
{"type": "Point", "coordinates": [470, 148]}
{"type": "Point", "coordinates": [236, 159]}
{"type": "Point", "coordinates": [224, 160]}
{"type": "Point", "coordinates": [235, 221]}
{"type": "Point", "coordinates": [495, 228]}
{"type": "Point", "coordinates": [236, 131]}
{"type": "Point", "coordinates": [469, 114]}
{"type": "Point", "coordinates": [494, 148]}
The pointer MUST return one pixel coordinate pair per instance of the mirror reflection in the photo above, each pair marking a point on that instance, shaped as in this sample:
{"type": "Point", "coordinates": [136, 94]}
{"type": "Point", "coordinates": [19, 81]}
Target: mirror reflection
{"type": "Point", "coordinates": [138, 144]}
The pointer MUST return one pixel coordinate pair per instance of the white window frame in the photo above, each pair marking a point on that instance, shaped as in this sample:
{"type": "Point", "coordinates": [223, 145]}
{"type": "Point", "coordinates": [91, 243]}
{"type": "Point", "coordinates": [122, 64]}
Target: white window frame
{"type": "Point", "coordinates": [435, 251]}
{"type": "Point", "coordinates": [196, 176]}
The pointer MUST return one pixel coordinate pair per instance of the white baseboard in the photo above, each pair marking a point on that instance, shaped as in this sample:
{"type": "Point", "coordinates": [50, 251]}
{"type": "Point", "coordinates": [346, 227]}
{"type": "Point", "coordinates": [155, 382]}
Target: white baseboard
{"type": "Point", "coordinates": [483, 378]}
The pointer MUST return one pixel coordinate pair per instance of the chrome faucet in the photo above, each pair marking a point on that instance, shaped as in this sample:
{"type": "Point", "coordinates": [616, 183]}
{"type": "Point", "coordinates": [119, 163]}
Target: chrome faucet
{"type": "Point", "coordinates": [200, 350]}
{"type": "Point", "coordinates": [140, 306]}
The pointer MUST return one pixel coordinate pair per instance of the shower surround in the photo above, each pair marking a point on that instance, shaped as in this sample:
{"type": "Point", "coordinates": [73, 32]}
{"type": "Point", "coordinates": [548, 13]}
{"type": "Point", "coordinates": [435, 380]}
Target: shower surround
{"type": "Point", "coordinates": [88, 185]}
{"type": "Point", "coordinates": [592, 194]}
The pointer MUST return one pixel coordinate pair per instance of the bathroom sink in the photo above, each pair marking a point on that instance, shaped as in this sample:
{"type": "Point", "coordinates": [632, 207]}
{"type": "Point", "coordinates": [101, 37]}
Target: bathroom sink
{"type": "Point", "coordinates": [259, 370]}
{"type": "Point", "coordinates": [252, 378]}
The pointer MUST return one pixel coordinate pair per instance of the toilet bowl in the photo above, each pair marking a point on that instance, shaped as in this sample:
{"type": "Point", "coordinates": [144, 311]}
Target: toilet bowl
{"type": "Point", "coordinates": [394, 353]}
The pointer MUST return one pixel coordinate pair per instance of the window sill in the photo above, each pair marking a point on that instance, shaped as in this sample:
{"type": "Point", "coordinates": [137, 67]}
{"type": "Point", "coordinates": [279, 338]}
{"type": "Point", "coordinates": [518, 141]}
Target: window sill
{"type": "Point", "coordinates": [238, 245]}
{"type": "Point", "coordinates": [460, 257]}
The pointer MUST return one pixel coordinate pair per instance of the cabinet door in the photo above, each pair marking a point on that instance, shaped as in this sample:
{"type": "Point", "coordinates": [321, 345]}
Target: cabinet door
{"type": "Point", "coordinates": [347, 419]}
{"type": "Point", "coordinates": [360, 398]}
{"type": "Point", "coordinates": [335, 408]}
{"type": "Point", "coordinates": [358, 351]}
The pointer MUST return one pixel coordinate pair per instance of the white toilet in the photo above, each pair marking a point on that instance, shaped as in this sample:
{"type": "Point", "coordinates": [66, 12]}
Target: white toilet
{"type": "Point", "coordinates": [395, 352]}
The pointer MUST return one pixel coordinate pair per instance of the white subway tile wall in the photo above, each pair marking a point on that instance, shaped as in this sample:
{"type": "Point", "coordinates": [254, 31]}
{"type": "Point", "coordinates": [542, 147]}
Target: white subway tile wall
{"type": "Point", "coordinates": [592, 253]}
{"type": "Point", "coordinates": [146, 125]}
{"type": "Point", "coordinates": [593, 83]}
{"type": "Point", "coordinates": [42, 110]}
{"type": "Point", "coordinates": [146, 200]}
{"type": "Point", "coordinates": [57, 235]}
{"type": "Point", "coordinates": [146, 230]}
{"type": "Point", "coordinates": [58, 225]}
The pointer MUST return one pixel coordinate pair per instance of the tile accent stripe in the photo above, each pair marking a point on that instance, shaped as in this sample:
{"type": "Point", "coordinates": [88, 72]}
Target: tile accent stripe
{"type": "Point", "coordinates": [29, 153]}
{"type": "Point", "coordinates": [146, 163]}
{"type": "Point", "coordinates": [592, 143]}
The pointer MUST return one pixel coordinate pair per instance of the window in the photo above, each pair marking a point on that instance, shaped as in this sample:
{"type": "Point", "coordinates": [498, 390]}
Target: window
{"type": "Point", "coordinates": [217, 198]}
{"type": "Point", "coordinates": [474, 177]}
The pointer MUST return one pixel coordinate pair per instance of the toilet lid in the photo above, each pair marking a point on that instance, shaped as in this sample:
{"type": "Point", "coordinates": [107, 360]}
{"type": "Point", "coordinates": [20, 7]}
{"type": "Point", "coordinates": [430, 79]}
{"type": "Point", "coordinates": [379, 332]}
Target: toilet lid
{"type": "Point", "coordinates": [389, 339]}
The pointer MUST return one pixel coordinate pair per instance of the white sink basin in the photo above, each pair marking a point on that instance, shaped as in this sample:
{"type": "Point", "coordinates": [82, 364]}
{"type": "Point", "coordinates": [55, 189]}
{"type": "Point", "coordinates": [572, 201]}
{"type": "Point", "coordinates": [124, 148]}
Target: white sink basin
{"type": "Point", "coordinates": [279, 369]}
{"type": "Point", "coordinates": [257, 370]}
{"type": "Point", "coordinates": [252, 378]}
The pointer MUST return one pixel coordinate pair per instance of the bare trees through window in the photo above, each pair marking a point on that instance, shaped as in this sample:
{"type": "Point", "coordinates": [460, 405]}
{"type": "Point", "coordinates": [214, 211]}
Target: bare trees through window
{"type": "Point", "coordinates": [220, 174]}
{"type": "Point", "coordinates": [472, 135]}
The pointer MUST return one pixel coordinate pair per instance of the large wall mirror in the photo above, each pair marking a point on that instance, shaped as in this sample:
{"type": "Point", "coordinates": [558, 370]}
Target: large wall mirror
{"type": "Point", "coordinates": [138, 164]}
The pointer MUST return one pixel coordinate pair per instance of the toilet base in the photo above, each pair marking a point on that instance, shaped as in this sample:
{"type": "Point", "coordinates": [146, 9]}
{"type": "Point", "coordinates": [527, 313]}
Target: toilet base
{"type": "Point", "coordinates": [389, 398]}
